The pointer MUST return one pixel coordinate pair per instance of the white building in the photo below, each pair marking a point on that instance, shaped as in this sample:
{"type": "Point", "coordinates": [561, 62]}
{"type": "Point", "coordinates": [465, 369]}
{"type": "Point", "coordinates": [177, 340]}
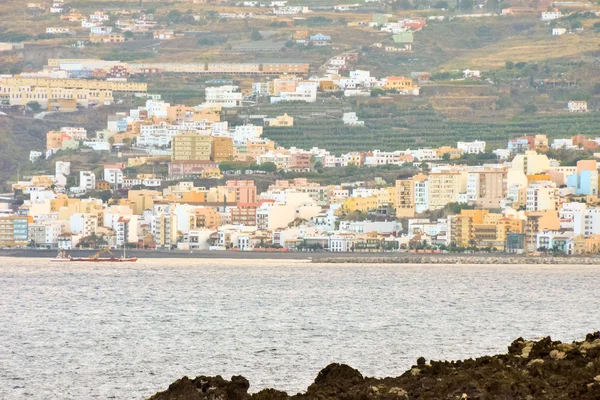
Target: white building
{"type": "Point", "coordinates": [558, 31]}
{"type": "Point", "coordinates": [382, 227]}
{"type": "Point", "coordinates": [157, 108]}
{"type": "Point", "coordinates": [341, 243]}
{"type": "Point", "coordinates": [243, 133]}
{"type": "Point", "coordinates": [75, 133]}
{"type": "Point", "coordinates": [577, 106]}
{"type": "Point", "coordinates": [87, 180]}
{"type": "Point", "coordinates": [157, 135]}
{"type": "Point", "coordinates": [84, 224]}
{"type": "Point", "coordinates": [351, 119]}
{"type": "Point", "coordinates": [551, 15]}
{"type": "Point", "coordinates": [305, 91]}
{"type": "Point", "coordinates": [114, 176]}
{"type": "Point", "coordinates": [587, 222]}
{"type": "Point", "coordinates": [44, 233]}
{"type": "Point", "coordinates": [57, 31]}
{"type": "Point", "coordinates": [34, 155]}
{"type": "Point", "coordinates": [289, 10]}
{"type": "Point", "coordinates": [470, 73]}
{"type": "Point", "coordinates": [227, 96]}
{"type": "Point", "coordinates": [541, 197]}
{"type": "Point", "coordinates": [101, 30]}
{"type": "Point", "coordinates": [475, 147]}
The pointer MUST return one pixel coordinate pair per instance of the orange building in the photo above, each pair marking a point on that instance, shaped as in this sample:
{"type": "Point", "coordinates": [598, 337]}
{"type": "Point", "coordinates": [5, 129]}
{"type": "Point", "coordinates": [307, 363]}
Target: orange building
{"type": "Point", "coordinates": [244, 214]}
{"type": "Point", "coordinates": [399, 83]}
{"type": "Point", "coordinates": [54, 139]}
{"type": "Point", "coordinates": [221, 149]}
{"type": "Point", "coordinates": [207, 218]}
{"type": "Point", "coordinates": [328, 86]}
{"type": "Point", "coordinates": [245, 191]}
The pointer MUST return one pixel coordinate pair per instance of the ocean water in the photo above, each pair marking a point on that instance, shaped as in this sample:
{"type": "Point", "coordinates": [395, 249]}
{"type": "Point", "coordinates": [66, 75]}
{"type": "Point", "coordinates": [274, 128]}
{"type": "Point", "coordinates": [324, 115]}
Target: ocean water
{"type": "Point", "coordinates": [126, 331]}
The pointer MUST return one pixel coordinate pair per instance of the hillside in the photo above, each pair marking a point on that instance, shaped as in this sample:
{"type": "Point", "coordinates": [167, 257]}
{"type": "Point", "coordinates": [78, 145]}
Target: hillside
{"type": "Point", "coordinates": [20, 134]}
{"type": "Point", "coordinates": [390, 128]}
{"type": "Point", "coordinates": [516, 55]}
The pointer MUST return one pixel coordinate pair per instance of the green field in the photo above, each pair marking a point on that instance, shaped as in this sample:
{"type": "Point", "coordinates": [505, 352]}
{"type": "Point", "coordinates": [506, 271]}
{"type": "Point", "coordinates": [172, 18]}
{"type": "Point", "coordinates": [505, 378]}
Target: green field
{"type": "Point", "coordinates": [415, 128]}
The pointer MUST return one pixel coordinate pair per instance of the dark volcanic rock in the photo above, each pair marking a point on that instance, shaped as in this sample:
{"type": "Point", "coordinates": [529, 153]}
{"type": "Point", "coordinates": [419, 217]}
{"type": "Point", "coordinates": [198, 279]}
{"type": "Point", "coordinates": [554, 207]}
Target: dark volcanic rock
{"type": "Point", "coordinates": [542, 370]}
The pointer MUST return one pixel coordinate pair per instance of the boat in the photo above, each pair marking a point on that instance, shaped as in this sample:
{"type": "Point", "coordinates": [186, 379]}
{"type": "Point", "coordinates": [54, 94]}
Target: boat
{"type": "Point", "coordinates": [63, 256]}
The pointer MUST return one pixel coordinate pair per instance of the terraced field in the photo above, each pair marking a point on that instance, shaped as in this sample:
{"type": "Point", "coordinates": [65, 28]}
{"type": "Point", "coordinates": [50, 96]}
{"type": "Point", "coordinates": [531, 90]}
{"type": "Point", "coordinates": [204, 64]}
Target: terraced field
{"type": "Point", "coordinates": [424, 128]}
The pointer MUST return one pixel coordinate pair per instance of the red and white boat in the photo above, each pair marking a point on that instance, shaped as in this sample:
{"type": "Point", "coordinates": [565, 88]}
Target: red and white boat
{"type": "Point", "coordinates": [65, 257]}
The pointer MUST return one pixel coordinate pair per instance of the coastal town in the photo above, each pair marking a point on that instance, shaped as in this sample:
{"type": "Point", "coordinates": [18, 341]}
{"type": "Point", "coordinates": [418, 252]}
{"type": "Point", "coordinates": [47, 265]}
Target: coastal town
{"type": "Point", "coordinates": [233, 169]}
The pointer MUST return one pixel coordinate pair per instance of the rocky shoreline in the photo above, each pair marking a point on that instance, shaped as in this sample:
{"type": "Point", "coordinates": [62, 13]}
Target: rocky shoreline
{"type": "Point", "coordinates": [465, 259]}
{"type": "Point", "coordinates": [542, 370]}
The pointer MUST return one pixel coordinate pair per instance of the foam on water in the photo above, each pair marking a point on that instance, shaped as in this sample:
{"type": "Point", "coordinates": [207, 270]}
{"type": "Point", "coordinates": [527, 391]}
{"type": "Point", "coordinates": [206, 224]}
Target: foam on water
{"type": "Point", "coordinates": [79, 331]}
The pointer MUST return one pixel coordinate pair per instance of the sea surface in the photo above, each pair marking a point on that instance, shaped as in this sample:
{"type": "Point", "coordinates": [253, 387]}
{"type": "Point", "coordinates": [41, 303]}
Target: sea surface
{"type": "Point", "coordinates": [77, 331]}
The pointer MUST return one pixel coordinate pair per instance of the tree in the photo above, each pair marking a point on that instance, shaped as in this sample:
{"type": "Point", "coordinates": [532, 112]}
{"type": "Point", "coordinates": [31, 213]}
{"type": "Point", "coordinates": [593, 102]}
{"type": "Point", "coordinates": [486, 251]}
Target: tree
{"type": "Point", "coordinates": [255, 35]}
{"type": "Point", "coordinates": [128, 35]}
{"type": "Point", "coordinates": [34, 106]}
{"type": "Point", "coordinates": [268, 167]}
{"type": "Point", "coordinates": [318, 167]}
{"type": "Point", "coordinates": [520, 65]}
{"type": "Point", "coordinates": [510, 65]}
{"type": "Point", "coordinates": [441, 4]}
{"type": "Point", "coordinates": [530, 109]}
{"type": "Point", "coordinates": [174, 16]}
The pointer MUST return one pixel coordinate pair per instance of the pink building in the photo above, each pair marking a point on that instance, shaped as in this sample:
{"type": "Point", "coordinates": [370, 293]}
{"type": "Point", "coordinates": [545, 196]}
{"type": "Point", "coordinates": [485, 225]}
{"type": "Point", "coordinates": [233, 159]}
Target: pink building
{"type": "Point", "coordinates": [245, 191]}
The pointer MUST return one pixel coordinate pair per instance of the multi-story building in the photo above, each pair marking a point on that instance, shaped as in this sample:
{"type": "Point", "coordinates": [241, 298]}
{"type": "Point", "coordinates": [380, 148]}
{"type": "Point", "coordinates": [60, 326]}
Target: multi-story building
{"type": "Point", "coordinates": [87, 180]}
{"type": "Point", "coordinates": [164, 229]}
{"type": "Point", "coordinates": [245, 191]}
{"type": "Point", "coordinates": [221, 149]}
{"type": "Point", "coordinates": [13, 231]}
{"type": "Point", "coordinates": [225, 96]}
{"type": "Point", "coordinates": [244, 214]}
{"type": "Point", "coordinates": [113, 175]}
{"type": "Point", "coordinates": [191, 146]}
{"type": "Point", "coordinates": [47, 92]}
{"type": "Point", "coordinates": [486, 188]}
{"type": "Point", "coordinates": [542, 196]}
{"type": "Point", "coordinates": [405, 201]}
{"type": "Point", "coordinates": [480, 228]}
{"type": "Point", "coordinates": [445, 187]}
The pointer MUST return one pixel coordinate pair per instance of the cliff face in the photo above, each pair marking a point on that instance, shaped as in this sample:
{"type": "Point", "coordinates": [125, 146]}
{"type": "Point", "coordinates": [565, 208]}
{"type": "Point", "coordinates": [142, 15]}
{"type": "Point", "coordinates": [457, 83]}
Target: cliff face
{"type": "Point", "coordinates": [530, 370]}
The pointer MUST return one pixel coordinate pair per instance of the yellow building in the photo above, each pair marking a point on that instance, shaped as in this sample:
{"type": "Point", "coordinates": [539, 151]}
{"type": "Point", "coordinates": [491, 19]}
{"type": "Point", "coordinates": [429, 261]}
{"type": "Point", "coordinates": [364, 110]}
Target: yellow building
{"type": "Point", "coordinates": [205, 218]}
{"type": "Point", "coordinates": [587, 244]}
{"type": "Point", "coordinates": [211, 113]}
{"type": "Point", "coordinates": [387, 197]}
{"type": "Point", "coordinates": [480, 228]}
{"type": "Point", "coordinates": [221, 149]}
{"type": "Point", "coordinates": [453, 152]}
{"type": "Point", "coordinates": [190, 146]}
{"type": "Point", "coordinates": [84, 92]}
{"type": "Point", "coordinates": [280, 121]}
{"type": "Point", "coordinates": [107, 38]}
{"type": "Point", "coordinates": [142, 200]}
{"type": "Point", "coordinates": [445, 187]}
{"type": "Point", "coordinates": [399, 83]}
{"type": "Point", "coordinates": [360, 204]}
